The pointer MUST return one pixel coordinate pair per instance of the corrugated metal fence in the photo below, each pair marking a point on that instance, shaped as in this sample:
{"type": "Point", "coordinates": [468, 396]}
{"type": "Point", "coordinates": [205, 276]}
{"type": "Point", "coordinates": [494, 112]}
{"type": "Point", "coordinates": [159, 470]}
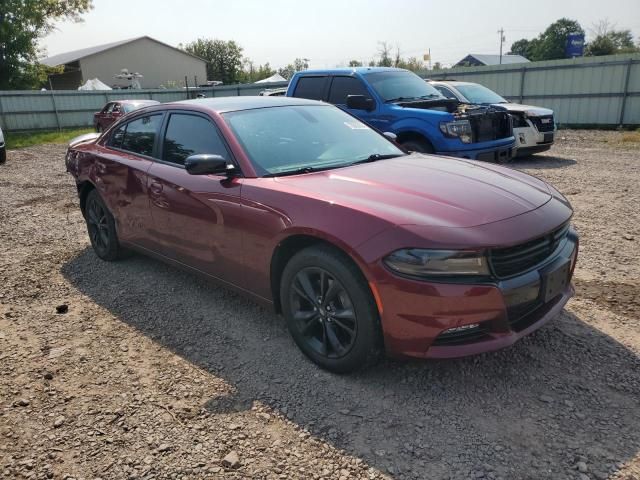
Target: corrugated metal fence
{"type": "Point", "coordinates": [582, 91]}
{"type": "Point", "coordinates": [585, 91]}
{"type": "Point", "coordinates": [36, 110]}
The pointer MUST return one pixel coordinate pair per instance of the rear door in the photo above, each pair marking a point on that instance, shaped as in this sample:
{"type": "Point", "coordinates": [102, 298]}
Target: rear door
{"type": "Point", "coordinates": [196, 217]}
{"type": "Point", "coordinates": [312, 87]}
{"type": "Point", "coordinates": [121, 166]}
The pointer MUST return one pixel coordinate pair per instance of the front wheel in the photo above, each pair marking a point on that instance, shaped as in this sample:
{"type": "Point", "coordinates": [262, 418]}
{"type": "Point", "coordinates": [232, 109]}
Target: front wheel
{"type": "Point", "coordinates": [419, 146]}
{"type": "Point", "coordinates": [101, 228]}
{"type": "Point", "coordinates": [330, 311]}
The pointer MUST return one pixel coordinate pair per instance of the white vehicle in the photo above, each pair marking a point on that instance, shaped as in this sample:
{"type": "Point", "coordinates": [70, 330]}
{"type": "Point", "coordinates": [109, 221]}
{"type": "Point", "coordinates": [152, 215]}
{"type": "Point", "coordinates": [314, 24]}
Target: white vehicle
{"type": "Point", "coordinates": [274, 92]}
{"type": "Point", "coordinates": [3, 148]}
{"type": "Point", "coordinates": [533, 127]}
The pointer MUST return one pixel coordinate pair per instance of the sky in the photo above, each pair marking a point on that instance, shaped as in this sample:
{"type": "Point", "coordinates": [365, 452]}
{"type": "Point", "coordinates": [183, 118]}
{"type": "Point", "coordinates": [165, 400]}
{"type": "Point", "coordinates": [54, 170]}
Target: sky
{"type": "Point", "coordinates": [331, 32]}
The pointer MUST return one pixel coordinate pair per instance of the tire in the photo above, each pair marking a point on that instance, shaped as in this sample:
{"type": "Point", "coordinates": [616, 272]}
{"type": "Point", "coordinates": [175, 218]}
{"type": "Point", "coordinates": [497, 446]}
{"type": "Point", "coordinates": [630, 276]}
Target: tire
{"type": "Point", "coordinates": [101, 227]}
{"type": "Point", "coordinates": [3, 155]}
{"type": "Point", "coordinates": [419, 146]}
{"type": "Point", "coordinates": [341, 330]}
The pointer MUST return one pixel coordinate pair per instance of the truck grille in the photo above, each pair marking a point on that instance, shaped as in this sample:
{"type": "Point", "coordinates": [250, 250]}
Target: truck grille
{"type": "Point", "coordinates": [491, 126]}
{"type": "Point", "coordinates": [510, 261]}
{"type": "Point", "coordinates": [544, 123]}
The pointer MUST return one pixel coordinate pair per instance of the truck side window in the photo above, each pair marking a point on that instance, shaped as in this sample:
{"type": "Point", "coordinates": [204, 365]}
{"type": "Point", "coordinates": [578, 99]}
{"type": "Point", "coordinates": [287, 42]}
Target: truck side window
{"type": "Point", "coordinates": [343, 86]}
{"type": "Point", "coordinates": [311, 88]}
{"type": "Point", "coordinates": [446, 92]}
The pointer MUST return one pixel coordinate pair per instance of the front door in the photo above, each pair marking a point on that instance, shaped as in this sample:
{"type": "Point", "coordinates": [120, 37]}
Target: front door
{"type": "Point", "coordinates": [342, 87]}
{"type": "Point", "coordinates": [196, 217]}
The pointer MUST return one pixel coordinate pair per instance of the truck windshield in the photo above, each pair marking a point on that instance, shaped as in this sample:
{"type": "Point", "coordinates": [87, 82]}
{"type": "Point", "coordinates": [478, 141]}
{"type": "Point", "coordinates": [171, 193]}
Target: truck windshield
{"type": "Point", "coordinates": [401, 85]}
{"type": "Point", "coordinates": [304, 138]}
{"type": "Point", "coordinates": [479, 94]}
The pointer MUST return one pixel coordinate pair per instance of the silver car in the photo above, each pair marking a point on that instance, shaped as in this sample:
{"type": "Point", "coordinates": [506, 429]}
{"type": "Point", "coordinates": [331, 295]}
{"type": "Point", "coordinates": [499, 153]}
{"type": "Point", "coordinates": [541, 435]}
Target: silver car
{"type": "Point", "coordinates": [533, 127]}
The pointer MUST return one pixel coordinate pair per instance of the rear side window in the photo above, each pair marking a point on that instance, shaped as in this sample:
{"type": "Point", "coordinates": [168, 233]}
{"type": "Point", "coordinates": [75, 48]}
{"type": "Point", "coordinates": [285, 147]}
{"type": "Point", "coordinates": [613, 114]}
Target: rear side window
{"type": "Point", "coordinates": [445, 91]}
{"type": "Point", "coordinates": [341, 87]}
{"type": "Point", "coordinates": [137, 136]}
{"type": "Point", "coordinates": [189, 135]}
{"type": "Point", "coordinates": [311, 88]}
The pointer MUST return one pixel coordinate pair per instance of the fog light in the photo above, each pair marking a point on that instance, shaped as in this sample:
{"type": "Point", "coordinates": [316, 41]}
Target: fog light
{"type": "Point", "coordinates": [462, 328]}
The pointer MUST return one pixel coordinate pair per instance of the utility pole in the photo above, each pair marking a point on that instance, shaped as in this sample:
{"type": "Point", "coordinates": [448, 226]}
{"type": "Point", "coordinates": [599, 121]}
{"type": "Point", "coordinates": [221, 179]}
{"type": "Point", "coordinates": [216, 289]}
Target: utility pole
{"type": "Point", "coordinates": [501, 32]}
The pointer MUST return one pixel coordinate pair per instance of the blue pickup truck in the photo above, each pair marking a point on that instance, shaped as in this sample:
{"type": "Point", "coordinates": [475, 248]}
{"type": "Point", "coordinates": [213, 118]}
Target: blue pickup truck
{"type": "Point", "coordinates": [398, 101]}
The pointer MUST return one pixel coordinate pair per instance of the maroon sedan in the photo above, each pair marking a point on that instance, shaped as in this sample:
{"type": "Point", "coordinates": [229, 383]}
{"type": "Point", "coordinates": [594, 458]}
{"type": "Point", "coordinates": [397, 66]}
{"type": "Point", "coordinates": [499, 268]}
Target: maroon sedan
{"type": "Point", "coordinates": [362, 247]}
{"type": "Point", "coordinates": [115, 110]}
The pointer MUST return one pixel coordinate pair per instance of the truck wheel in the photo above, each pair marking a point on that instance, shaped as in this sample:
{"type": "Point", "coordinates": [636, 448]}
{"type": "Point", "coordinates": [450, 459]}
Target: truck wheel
{"type": "Point", "coordinates": [419, 146]}
{"type": "Point", "coordinates": [3, 154]}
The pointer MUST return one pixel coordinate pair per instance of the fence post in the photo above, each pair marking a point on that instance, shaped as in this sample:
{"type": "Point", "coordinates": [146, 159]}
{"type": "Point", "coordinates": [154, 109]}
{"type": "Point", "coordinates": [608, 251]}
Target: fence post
{"type": "Point", "coordinates": [55, 107]}
{"type": "Point", "coordinates": [2, 120]}
{"type": "Point", "coordinates": [625, 92]}
{"type": "Point", "coordinates": [238, 90]}
{"type": "Point", "coordinates": [524, 72]}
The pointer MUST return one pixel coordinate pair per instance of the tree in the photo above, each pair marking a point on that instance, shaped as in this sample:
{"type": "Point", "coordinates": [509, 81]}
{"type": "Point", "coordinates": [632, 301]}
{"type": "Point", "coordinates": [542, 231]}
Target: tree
{"type": "Point", "coordinates": [550, 44]}
{"type": "Point", "coordinates": [609, 41]}
{"type": "Point", "coordinates": [437, 66]}
{"type": "Point", "coordinates": [22, 24]}
{"type": "Point", "coordinates": [384, 55]}
{"type": "Point", "coordinates": [298, 65]}
{"type": "Point", "coordinates": [355, 63]}
{"type": "Point", "coordinates": [224, 58]}
{"type": "Point", "coordinates": [252, 74]}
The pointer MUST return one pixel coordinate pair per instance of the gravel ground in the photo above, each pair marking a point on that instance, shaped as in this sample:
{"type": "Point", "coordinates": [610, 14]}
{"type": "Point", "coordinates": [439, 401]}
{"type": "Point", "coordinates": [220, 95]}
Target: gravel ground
{"type": "Point", "coordinates": [149, 372]}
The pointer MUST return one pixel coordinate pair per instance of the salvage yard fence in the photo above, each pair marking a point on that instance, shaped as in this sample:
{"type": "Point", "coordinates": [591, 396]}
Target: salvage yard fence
{"type": "Point", "coordinates": [589, 91]}
{"type": "Point", "coordinates": [56, 109]}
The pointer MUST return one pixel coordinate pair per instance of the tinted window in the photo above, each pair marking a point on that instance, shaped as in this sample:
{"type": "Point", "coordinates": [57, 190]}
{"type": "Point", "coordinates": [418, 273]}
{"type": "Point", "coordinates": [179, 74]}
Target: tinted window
{"type": "Point", "coordinates": [399, 84]}
{"type": "Point", "coordinates": [117, 136]}
{"type": "Point", "coordinates": [139, 135]}
{"type": "Point", "coordinates": [188, 135]}
{"type": "Point", "coordinates": [343, 86]}
{"type": "Point", "coordinates": [445, 91]}
{"type": "Point", "coordinates": [311, 88]}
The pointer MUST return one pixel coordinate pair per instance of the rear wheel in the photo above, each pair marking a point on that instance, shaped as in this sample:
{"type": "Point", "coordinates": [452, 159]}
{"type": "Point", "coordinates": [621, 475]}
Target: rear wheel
{"type": "Point", "coordinates": [330, 311]}
{"type": "Point", "coordinates": [102, 228]}
{"type": "Point", "coordinates": [420, 146]}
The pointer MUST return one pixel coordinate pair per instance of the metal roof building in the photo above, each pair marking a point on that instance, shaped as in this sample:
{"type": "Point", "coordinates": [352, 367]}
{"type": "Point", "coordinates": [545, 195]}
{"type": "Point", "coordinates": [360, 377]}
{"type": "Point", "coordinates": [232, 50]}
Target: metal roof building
{"type": "Point", "coordinates": [478, 60]}
{"type": "Point", "coordinates": [159, 63]}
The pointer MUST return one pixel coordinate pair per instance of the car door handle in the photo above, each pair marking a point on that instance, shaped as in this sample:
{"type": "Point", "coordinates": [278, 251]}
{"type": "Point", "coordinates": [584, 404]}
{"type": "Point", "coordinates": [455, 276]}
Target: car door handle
{"type": "Point", "coordinates": [156, 188]}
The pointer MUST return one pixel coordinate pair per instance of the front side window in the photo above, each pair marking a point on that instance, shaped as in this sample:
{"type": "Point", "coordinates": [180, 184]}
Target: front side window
{"type": "Point", "coordinates": [137, 136]}
{"type": "Point", "coordinates": [311, 88]}
{"type": "Point", "coordinates": [189, 135]}
{"type": "Point", "coordinates": [446, 92]}
{"type": "Point", "coordinates": [341, 87]}
{"type": "Point", "coordinates": [107, 108]}
{"type": "Point", "coordinates": [116, 108]}
{"type": "Point", "coordinates": [281, 140]}
{"type": "Point", "coordinates": [401, 85]}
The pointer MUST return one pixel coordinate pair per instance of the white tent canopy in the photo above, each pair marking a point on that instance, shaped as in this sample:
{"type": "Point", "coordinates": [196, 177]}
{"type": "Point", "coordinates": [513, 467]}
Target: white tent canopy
{"type": "Point", "coordinates": [94, 84]}
{"type": "Point", "coordinates": [276, 77]}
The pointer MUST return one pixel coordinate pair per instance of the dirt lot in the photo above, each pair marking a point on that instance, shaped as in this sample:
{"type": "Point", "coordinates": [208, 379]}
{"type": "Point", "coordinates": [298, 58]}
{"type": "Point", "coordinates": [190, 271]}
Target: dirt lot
{"type": "Point", "coordinates": [153, 373]}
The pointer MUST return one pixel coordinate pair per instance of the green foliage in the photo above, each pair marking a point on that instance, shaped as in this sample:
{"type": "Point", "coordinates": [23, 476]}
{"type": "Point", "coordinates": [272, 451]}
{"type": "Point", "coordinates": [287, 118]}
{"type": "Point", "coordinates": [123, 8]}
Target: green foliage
{"type": "Point", "coordinates": [550, 44]}
{"type": "Point", "coordinates": [252, 74]}
{"type": "Point", "coordinates": [224, 58]}
{"type": "Point", "coordinates": [355, 63]}
{"type": "Point", "coordinates": [384, 55]}
{"type": "Point", "coordinates": [22, 23]}
{"type": "Point", "coordinates": [298, 65]}
{"type": "Point", "coordinates": [28, 139]}
{"type": "Point", "coordinates": [610, 42]}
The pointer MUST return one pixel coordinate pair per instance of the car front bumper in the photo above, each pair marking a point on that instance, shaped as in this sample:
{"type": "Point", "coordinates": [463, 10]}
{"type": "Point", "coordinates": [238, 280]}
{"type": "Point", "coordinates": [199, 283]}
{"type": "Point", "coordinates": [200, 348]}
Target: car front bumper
{"type": "Point", "coordinates": [418, 316]}
{"type": "Point", "coordinates": [529, 140]}
{"type": "Point", "coordinates": [502, 152]}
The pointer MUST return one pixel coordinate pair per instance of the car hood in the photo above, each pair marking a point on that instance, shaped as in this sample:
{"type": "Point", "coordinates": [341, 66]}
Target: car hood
{"type": "Point", "coordinates": [530, 110]}
{"type": "Point", "coordinates": [426, 190]}
{"type": "Point", "coordinates": [86, 138]}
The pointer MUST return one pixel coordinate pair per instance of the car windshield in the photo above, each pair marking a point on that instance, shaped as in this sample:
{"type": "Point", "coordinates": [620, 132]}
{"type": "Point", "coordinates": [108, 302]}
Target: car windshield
{"type": "Point", "coordinates": [293, 139]}
{"type": "Point", "coordinates": [401, 85]}
{"type": "Point", "coordinates": [479, 94]}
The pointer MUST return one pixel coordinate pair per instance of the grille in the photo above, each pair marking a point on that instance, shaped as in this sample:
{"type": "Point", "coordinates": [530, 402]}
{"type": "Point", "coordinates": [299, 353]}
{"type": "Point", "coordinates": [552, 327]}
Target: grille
{"type": "Point", "coordinates": [510, 261]}
{"type": "Point", "coordinates": [544, 123]}
{"type": "Point", "coordinates": [523, 316]}
{"type": "Point", "coordinates": [491, 126]}
{"type": "Point", "coordinates": [461, 337]}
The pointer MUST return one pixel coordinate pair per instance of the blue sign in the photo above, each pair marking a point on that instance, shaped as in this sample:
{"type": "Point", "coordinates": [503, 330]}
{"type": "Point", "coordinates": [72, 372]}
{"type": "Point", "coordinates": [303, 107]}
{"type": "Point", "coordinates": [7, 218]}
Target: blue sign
{"type": "Point", "coordinates": [575, 45]}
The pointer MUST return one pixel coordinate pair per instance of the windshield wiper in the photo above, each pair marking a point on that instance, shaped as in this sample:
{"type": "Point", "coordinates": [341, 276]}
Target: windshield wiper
{"type": "Point", "coordinates": [399, 99]}
{"type": "Point", "coordinates": [297, 171]}
{"type": "Point", "coordinates": [377, 156]}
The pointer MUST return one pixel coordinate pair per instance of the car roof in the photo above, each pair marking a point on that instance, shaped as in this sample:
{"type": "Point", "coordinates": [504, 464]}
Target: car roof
{"type": "Point", "coordinates": [134, 101]}
{"type": "Point", "coordinates": [360, 70]}
{"type": "Point", "coordinates": [452, 82]}
{"type": "Point", "coordinates": [232, 104]}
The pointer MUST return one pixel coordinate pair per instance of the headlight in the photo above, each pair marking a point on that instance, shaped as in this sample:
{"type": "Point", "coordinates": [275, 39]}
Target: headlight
{"type": "Point", "coordinates": [458, 128]}
{"type": "Point", "coordinates": [427, 263]}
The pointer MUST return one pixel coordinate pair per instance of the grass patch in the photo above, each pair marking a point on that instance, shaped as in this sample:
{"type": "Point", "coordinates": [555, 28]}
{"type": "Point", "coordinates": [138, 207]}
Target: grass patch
{"type": "Point", "coordinates": [631, 137]}
{"type": "Point", "coordinates": [28, 139]}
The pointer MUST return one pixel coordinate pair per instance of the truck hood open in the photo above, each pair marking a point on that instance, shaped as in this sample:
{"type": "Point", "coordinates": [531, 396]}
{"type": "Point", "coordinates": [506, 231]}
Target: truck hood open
{"type": "Point", "coordinates": [426, 190]}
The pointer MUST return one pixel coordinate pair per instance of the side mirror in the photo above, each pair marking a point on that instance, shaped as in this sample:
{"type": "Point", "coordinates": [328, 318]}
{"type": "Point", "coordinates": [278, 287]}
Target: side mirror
{"type": "Point", "coordinates": [360, 102]}
{"type": "Point", "coordinates": [206, 164]}
{"type": "Point", "coordinates": [391, 136]}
